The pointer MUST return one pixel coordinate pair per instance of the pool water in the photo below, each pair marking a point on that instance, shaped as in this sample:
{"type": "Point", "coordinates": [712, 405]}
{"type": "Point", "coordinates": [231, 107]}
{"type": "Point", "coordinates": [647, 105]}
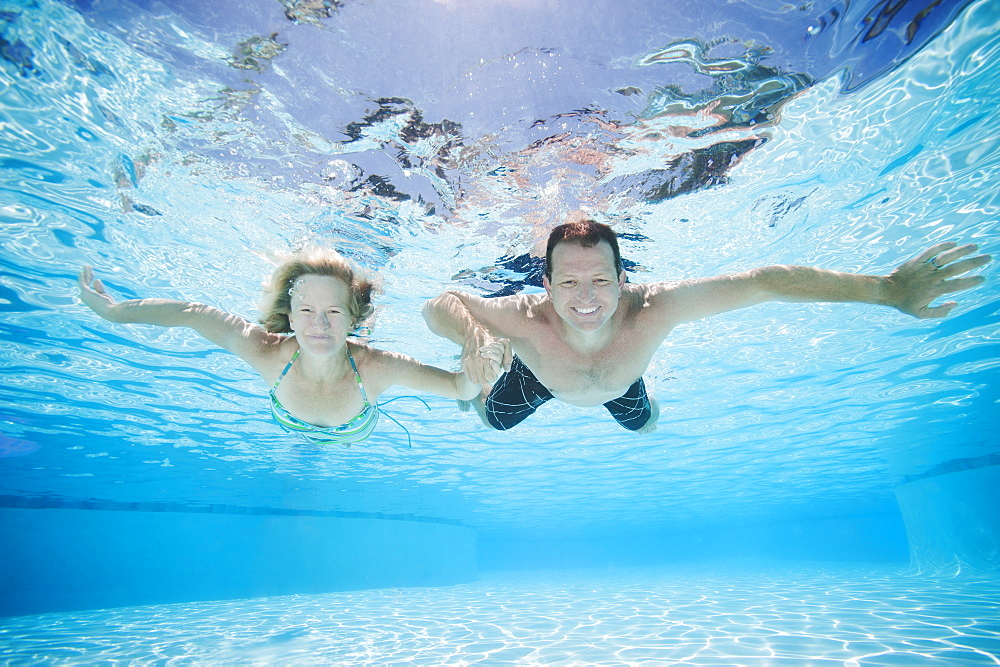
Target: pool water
{"type": "Point", "coordinates": [808, 614]}
{"type": "Point", "coordinates": [177, 147]}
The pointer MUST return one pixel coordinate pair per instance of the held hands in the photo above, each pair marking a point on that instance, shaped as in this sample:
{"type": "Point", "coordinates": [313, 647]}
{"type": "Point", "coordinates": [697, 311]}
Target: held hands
{"type": "Point", "coordinates": [913, 285]}
{"type": "Point", "coordinates": [484, 359]}
{"type": "Point", "coordinates": [498, 355]}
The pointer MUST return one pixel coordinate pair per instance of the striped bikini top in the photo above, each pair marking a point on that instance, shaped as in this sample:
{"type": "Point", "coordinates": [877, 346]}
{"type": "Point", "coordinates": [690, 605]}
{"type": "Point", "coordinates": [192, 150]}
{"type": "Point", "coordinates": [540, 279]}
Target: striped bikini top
{"type": "Point", "coordinates": [347, 434]}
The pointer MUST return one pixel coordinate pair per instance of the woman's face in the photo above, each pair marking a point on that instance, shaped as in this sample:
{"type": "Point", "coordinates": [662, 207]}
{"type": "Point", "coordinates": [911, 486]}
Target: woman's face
{"type": "Point", "coordinates": [320, 317]}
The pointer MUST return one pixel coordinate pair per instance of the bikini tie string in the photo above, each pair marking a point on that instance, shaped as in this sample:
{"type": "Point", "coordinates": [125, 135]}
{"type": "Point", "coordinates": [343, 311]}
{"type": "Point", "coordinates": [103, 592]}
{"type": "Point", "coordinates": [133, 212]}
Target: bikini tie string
{"type": "Point", "coordinates": [409, 440]}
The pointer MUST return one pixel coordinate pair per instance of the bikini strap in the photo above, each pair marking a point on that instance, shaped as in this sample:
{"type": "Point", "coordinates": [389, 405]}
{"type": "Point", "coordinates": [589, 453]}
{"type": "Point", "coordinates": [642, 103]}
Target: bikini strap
{"type": "Point", "coordinates": [357, 376]}
{"type": "Point", "coordinates": [287, 366]}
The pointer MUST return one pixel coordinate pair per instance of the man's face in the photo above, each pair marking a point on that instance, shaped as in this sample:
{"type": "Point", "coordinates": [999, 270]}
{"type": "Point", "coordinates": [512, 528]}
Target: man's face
{"type": "Point", "coordinates": [584, 287]}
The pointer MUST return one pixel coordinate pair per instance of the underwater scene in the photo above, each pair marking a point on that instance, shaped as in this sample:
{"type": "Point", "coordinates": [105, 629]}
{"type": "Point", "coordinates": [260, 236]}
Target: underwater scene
{"type": "Point", "coordinates": [183, 149]}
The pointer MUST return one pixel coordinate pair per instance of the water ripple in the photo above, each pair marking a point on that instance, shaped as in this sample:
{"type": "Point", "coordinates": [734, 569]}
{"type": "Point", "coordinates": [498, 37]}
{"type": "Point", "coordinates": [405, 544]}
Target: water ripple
{"type": "Point", "coordinates": [141, 152]}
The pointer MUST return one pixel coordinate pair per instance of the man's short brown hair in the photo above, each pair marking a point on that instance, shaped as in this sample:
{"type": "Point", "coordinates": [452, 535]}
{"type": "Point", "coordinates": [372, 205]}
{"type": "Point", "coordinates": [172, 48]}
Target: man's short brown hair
{"type": "Point", "coordinates": [587, 233]}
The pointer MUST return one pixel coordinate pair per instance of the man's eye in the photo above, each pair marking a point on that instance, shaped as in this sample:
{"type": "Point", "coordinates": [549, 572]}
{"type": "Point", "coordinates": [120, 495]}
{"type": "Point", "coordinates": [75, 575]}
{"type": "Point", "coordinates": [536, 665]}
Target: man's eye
{"type": "Point", "coordinates": [602, 281]}
{"type": "Point", "coordinates": [568, 283]}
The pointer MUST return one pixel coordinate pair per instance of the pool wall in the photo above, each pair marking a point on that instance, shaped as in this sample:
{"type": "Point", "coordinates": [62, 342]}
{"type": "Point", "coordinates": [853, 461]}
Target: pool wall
{"type": "Point", "coordinates": [72, 559]}
{"type": "Point", "coordinates": [953, 521]}
{"type": "Point", "coordinates": [65, 558]}
{"type": "Point", "coordinates": [870, 538]}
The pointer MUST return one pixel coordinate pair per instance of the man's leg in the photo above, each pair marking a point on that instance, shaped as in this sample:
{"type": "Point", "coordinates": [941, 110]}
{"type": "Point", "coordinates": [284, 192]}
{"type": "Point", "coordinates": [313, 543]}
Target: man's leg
{"type": "Point", "coordinates": [634, 409]}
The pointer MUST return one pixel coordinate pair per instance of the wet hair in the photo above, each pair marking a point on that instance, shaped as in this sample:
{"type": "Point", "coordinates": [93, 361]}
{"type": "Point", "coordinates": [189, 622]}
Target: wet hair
{"type": "Point", "coordinates": [586, 233]}
{"type": "Point", "coordinates": [276, 304]}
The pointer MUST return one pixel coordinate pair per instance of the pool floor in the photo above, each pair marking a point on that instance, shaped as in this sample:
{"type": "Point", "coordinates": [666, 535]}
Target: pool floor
{"type": "Point", "coordinates": [795, 614]}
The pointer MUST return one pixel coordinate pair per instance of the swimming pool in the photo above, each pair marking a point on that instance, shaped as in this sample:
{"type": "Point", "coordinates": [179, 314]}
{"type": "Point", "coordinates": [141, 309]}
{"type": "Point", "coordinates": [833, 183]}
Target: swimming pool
{"type": "Point", "coordinates": [177, 146]}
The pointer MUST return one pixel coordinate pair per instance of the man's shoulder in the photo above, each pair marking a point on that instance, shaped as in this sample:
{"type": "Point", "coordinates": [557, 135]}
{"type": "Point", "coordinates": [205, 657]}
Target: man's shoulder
{"type": "Point", "coordinates": [514, 303]}
{"type": "Point", "coordinates": [662, 292]}
{"type": "Point", "coordinates": [650, 304]}
{"type": "Point", "coordinates": [646, 295]}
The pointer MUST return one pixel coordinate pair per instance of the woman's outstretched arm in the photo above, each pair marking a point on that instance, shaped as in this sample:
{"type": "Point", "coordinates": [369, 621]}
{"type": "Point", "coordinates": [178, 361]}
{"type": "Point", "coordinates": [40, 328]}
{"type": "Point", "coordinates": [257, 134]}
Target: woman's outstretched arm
{"type": "Point", "coordinates": [230, 332]}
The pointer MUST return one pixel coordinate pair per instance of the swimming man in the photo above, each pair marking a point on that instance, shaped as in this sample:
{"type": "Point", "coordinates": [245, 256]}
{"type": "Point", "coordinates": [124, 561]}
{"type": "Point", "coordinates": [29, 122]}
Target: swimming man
{"type": "Point", "coordinates": [590, 337]}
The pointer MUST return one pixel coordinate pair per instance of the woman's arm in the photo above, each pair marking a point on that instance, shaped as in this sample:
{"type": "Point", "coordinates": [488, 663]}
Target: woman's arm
{"type": "Point", "coordinates": [405, 371]}
{"type": "Point", "coordinates": [228, 331]}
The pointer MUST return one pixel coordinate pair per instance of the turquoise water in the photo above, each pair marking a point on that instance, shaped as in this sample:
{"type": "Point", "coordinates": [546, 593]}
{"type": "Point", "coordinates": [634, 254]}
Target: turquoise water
{"type": "Point", "coordinates": [142, 150]}
{"type": "Point", "coordinates": [816, 615]}
{"type": "Point", "coordinates": [177, 147]}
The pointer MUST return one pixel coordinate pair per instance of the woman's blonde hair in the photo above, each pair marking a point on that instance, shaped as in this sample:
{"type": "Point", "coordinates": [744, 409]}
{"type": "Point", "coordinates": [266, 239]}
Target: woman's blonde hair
{"type": "Point", "coordinates": [276, 304]}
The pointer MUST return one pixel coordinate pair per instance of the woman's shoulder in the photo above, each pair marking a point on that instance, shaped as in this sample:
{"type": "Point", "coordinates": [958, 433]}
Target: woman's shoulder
{"type": "Point", "coordinates": [366, 354]}
{"type": "Point", "coordinates": [273, 352]}
{"type": "Point", "coordinates": [380, 368]}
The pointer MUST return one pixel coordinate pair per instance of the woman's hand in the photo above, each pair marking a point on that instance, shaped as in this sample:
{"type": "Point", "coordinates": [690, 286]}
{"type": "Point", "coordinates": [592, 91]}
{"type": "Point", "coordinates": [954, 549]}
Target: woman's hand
{"type": "Point", "coordinates": [495, 358]}
{"type": "Point", "coordinates": [93, 294]}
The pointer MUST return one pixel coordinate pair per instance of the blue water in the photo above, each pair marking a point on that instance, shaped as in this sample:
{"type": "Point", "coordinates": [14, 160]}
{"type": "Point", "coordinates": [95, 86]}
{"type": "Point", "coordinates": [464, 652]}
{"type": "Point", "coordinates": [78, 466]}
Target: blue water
{"type": "Point", "coordinates": [177, 147]}
{"type": "Point", "coordinates": [688, 616]}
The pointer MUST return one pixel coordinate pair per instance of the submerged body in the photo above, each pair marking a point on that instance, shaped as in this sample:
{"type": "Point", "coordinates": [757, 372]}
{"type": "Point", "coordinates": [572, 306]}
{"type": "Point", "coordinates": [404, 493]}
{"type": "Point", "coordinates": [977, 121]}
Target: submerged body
{"type": "Point", "coordinates": [518, 393]}
{"type": "Point", "coordinates": [315, 373]}
{"type": "Point", "coordinates": [589, 338]}
{"type": "Point", "coordinates": [347, 434]}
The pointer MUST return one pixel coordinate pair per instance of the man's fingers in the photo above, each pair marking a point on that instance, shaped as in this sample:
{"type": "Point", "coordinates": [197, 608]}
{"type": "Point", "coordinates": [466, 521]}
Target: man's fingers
{"type": "Point", "coordinates": [949, 256]}
{"type": "Point", "coordinates": [937, 311]}
{"type": "Point", "coordinates": [934, 251]}
{"type": "Point", "coordinates": [959, 284]}
{"type": "Point", "coordinates": [965, 265]}
{"type": "Point", "coordinates": [498, 354]}
{"type": "Point", "coordinates": [90, 284]}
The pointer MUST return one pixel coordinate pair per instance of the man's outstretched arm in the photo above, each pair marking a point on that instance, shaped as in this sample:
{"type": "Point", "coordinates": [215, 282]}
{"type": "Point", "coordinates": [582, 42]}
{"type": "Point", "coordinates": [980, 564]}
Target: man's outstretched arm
{"type": "Point", "coordinates": [910, 288]}
{"type": "Point", "coordinates": [460, 318]}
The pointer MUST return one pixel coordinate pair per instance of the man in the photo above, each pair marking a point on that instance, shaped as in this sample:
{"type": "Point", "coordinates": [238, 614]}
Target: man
{"type": "Point", "coordinates": [590, 337]}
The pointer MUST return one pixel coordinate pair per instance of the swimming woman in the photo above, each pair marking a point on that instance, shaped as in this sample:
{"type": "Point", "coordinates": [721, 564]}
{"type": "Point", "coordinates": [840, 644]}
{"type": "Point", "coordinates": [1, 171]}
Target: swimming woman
{"type": "Point", "coordinates": [324, 385]}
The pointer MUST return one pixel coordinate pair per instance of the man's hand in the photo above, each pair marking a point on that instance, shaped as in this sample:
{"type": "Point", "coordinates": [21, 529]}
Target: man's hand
{"type": "Point", "coordinates": [932, 273]}
{"type": "Point", "coordinates": [498, 355]}
{"type": "Point", "coordinates": [484, 359]}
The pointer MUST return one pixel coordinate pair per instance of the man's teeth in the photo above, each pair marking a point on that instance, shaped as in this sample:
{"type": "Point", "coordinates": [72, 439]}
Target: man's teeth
{"type": "Point", "coordinates": [586, 311]}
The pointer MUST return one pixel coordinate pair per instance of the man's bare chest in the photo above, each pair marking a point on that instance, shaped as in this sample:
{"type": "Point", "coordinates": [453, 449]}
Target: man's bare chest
{"type": "Point", "coordinates": [585, 378]}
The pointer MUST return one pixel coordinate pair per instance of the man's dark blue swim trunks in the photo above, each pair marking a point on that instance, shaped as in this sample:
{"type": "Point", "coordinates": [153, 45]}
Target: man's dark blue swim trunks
{"type": "Point", "coordinates": [518, 393]}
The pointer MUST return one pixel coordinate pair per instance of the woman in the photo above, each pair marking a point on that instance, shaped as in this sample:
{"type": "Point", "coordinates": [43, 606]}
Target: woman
{"type": "Point", "coordinates": [323, 385]}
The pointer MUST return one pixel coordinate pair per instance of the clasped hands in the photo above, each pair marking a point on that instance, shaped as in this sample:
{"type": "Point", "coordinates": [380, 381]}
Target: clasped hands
{"type": "Point", "coordinates": [485, 358]}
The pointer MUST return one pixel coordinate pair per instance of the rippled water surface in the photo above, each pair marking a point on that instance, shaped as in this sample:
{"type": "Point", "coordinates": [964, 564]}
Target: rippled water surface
{"type": "Point", "coordinates": [175, 148]}
{"type": "Point", "coordinates": [814, 616]}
